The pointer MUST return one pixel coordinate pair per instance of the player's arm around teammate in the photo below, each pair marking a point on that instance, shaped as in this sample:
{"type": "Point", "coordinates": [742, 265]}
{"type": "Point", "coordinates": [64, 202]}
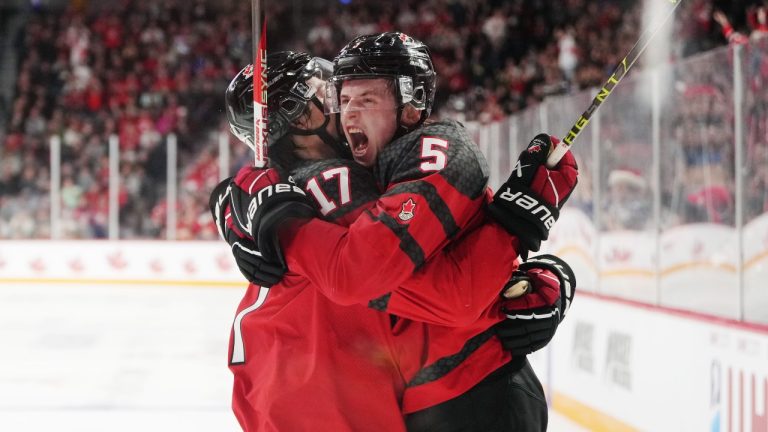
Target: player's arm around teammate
{"type": "Point", "coordinates": [454, 288]}
{"type": "Point", "coordinates": [438, 395]}
{"type": "Point", "coordinates": [435, 177]}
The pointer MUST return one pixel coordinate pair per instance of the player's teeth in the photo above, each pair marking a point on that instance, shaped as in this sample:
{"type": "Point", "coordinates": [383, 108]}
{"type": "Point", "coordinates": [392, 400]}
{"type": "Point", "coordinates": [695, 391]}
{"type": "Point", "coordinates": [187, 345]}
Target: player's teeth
{"type": "Point", "coordinates": [355, 130]}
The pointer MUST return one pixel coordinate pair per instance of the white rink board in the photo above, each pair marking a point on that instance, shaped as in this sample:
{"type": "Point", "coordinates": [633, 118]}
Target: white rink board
{"type": "Point", "coordinates": [659, 370]}
{"type": "Point", "coordinates": [698, 266]}
{"type": "Point", "coordinates": [198, 263]}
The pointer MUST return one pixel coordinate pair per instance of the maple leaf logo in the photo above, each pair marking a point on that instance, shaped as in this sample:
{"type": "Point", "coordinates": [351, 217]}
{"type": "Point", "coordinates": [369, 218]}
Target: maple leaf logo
{"type": "Point", "coordinates": [116, 260]}
{"type": "Point", "coordinates": [156, 265]}
{"type": "Point", "coordinates": [698, 249]}
{"type": "Point", "coordinates": [37, 265]}
{"type": "Point", "coordinates": [536, 146]}
{"type": "Point", "coordinates": [248, 71]}
{"type": "Point", "coordinates": [76, 265]}
{"type": "Point", "coordinates": [224, 261]}
{"type": "Point", "coordinates": [406, 213]}
{"type": "Point", "coordinates": [190, 266]}
{"type": "Point", "coordinates": [618, 255]}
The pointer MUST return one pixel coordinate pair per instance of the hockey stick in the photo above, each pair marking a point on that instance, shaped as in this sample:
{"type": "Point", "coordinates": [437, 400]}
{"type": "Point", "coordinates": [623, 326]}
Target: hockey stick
{"type": "Point", "coordinates": [259, 85]}
{"type": "Point", "coordinates": [621, 70]}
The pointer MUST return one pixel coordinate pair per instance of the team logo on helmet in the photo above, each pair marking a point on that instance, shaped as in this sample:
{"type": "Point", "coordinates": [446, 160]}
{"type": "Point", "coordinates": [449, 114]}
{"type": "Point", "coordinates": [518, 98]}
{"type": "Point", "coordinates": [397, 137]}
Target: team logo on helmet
{"type": "Point", "coordinates": [248, 71]}
{"type": "Point", "coordinates": [406, 213]}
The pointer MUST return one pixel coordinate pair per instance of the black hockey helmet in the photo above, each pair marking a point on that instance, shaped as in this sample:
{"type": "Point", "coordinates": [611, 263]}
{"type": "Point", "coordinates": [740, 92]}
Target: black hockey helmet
{"type": "Point", "coordinates": [294, 80]}
{"type": "Point", "coordinates": [393, 55]}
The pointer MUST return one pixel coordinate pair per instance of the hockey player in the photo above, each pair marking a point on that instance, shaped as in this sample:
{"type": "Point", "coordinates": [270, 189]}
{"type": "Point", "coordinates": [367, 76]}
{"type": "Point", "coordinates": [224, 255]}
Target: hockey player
{"type": "Point", "coordinates": [258, 328]}
{"type": "Point", "coordinates": [300, 362]}
{"type": "Point", "coordinates": [383, 87]}
{"type": "Point", "coordinates": [338, 195]}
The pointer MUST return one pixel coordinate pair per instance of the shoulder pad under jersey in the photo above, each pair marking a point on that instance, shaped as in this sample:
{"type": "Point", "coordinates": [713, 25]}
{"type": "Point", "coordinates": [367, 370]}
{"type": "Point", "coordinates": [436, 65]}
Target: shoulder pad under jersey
{"type": "Point", "coordinates": [409, 157]}
{"type": "Point", "coordinates": [338, 186]}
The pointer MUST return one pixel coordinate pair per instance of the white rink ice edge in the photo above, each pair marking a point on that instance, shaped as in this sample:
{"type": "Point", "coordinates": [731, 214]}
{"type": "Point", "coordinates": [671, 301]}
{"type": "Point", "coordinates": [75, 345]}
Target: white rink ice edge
{"type": "Point", "coordinates": [95, 358]}
{"type": "Point", "coordinates": [131, 421]}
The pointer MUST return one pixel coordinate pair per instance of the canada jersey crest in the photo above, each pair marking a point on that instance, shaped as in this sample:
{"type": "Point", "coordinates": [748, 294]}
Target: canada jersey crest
{"type": "Point", "coordinates": [406, 213]}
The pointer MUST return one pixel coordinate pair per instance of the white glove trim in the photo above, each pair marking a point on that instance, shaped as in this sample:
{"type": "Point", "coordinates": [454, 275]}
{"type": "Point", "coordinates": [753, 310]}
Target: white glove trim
{"type": "Point", "coordinates": [245, 249]}
{"type": "Point", "coordinates": [555, 311]}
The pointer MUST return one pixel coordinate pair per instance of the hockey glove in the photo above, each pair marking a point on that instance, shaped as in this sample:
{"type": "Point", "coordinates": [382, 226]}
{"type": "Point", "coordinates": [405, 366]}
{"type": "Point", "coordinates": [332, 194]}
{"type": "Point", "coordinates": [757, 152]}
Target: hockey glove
{"type": "Point", "coordinates": [261, 201]}
{"type": "Point", "coordinates": [249, 261]}
{"type": "Point", "coordinates": [532, 318]}
{"type": "Point", "coordinates": [529, 202]}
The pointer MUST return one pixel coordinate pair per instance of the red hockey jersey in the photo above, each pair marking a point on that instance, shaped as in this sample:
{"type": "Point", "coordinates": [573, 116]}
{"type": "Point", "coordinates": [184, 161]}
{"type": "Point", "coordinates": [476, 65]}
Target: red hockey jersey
{"type": "Point", "coordinates": [302, 362]}
{"type": "Point", "coordinates": [436, 186]}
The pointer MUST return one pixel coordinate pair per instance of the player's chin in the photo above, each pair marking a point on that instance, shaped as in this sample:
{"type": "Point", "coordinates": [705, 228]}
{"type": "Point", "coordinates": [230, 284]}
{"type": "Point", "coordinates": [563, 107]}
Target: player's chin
{"type": "Point", "coordinates": [365, 158]}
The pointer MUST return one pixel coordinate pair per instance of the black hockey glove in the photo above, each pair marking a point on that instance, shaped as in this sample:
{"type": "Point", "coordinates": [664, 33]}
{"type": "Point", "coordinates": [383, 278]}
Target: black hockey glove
{"type": "Point", "coordinates": [532, 318]}
{"type": "Point", "coordinates": [261, 201]}
{"type": "Point", "coordinates": [529, 202]}
{"type": "Point", "coordinates": [256, 268]}
{"type": "Point", "coordinates": [249, 261]}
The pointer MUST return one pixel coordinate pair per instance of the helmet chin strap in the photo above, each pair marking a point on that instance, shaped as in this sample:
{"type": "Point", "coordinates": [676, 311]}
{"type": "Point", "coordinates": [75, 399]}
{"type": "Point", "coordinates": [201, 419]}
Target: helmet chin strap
{"type": "Point", "coordinates": [322, 132]}
{"type": "Point", "coordinates": [403, 129]}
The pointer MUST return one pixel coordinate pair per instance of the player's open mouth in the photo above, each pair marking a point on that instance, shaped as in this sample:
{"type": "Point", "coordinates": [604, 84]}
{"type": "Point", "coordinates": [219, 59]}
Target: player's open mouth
{"type": "Point", "coordinates": [358, 141]}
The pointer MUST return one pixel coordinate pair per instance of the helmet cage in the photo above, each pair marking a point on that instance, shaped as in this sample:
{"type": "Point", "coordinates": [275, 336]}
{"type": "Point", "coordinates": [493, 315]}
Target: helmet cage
{"type": "Point", "coordinates": [293, 103]}
{"type": "Point", "coordinates": [291, 107]}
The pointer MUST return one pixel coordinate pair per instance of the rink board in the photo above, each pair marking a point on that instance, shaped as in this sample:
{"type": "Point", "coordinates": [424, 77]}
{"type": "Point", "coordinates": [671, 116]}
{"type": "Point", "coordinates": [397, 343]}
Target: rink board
{"type": "Point", "coordinates": [648, 368]}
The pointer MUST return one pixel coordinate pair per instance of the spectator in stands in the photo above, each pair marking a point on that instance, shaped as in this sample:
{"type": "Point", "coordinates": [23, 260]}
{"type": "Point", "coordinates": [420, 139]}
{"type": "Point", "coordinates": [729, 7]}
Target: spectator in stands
{"type": "Point", "coordinates": [712, 204]}
{"type": "Point", "coordinates": [131, 70]}
{"type": "Point", "coordinates": [145, 70]}
{"type": "Point", "coordinates": [628, 205]}
{"type": "Point", "coordinates": [733, 37]}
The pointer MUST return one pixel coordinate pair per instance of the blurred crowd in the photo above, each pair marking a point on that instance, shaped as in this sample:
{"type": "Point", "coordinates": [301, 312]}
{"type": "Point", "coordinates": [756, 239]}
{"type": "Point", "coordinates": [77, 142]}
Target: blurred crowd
{"type": "Point", "coordinates": [497, 57]}
{"type": "Point", "coordinates": [698, 175]}
{"type": "Point", "coordinates": [140, 71]}
{"type": "Point", "coordinates": [144, 70]}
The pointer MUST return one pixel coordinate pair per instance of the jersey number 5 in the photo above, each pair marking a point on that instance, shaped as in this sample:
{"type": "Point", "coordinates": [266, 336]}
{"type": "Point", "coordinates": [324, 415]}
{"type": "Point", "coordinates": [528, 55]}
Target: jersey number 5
{"type": "Point", "coordinates": [433, 153]}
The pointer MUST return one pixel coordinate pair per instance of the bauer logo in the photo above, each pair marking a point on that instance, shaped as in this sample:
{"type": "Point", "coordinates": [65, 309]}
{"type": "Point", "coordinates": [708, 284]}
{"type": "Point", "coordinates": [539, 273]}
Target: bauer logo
{"type": "Point", "coordinates": [267, 192]}
{"type": "Point", "coordinates": [530, 205]}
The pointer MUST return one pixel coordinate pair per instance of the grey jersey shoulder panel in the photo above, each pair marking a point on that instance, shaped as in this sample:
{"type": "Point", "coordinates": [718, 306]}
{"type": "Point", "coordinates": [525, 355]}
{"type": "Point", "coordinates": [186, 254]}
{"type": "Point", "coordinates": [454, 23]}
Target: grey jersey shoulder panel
{"type": "Point", "coordinates": [466, 168]}
{"type": "Point", "coordinates": [362, 186]}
